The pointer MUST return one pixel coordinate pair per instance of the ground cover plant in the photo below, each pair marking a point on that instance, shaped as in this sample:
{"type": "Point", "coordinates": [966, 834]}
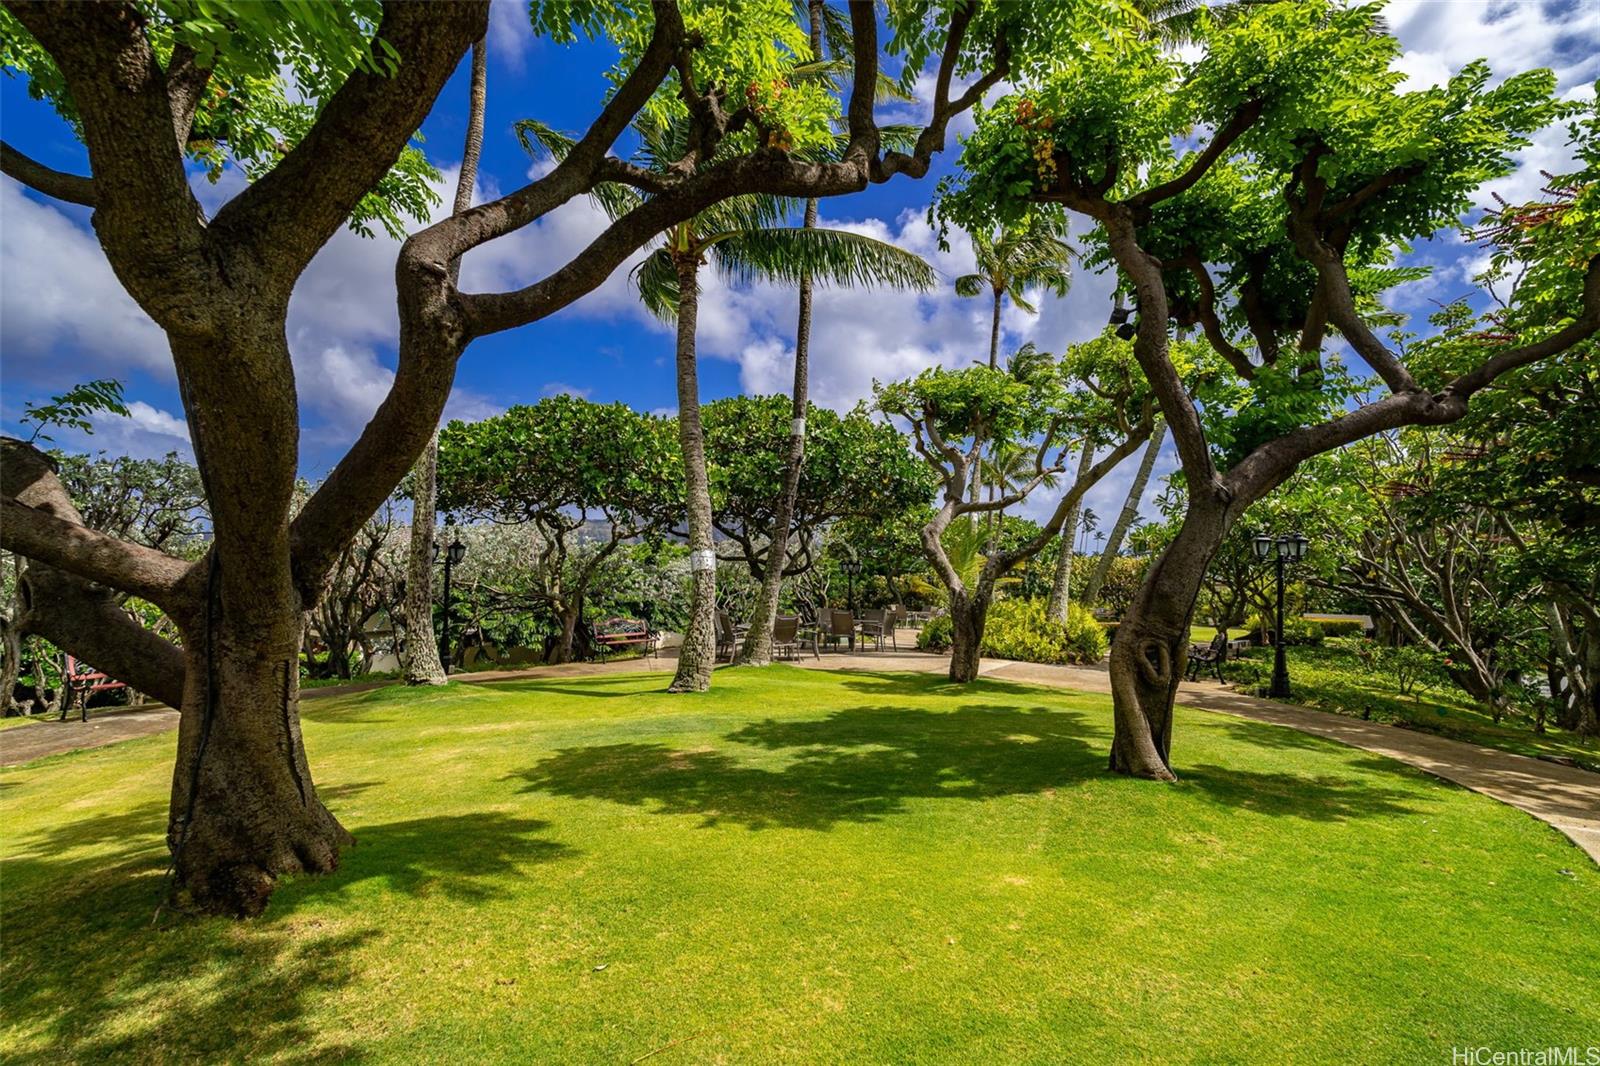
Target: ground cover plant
{"type": "Point", "coordinates": [1336, 677]}
{"type": "Point", "coordinates": [834, 867]}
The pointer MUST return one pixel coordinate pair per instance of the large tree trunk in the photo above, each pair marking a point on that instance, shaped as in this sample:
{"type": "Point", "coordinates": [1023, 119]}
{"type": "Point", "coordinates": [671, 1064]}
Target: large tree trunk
{"type": "Point", "coordinates": [420, 654]}
{"type": "Point", "coordinates": [969, 611]}
{"type": "Point", "coordinates": [1152, 646]}
{"type": "Point", "coordinates": [244, 809]}
{"type": "Point", "coordinates": [1061, 586]}
{"type": "Point", "coordinates": [757, 650]}
{"type": "Point", "coordinates": [698, 652]}
{"type": "Point", "coordinates": [1130, 511]}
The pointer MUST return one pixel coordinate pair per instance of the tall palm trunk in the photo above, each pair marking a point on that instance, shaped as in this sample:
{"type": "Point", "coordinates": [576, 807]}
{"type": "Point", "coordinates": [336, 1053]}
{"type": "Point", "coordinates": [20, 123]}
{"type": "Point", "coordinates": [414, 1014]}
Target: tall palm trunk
{"type": "Point", "coordinates": [1061, 587]}
{"type": "Point", "coordinates": [757, 649]}
{"type": "Point", "coordinates": [994, 364]}
{"type": "Point", "coordinates": [420, 654]}
{"type": "Point", "coordinates": [1130, 510]}
{"type": "Point", "coordinates": [698, 653]}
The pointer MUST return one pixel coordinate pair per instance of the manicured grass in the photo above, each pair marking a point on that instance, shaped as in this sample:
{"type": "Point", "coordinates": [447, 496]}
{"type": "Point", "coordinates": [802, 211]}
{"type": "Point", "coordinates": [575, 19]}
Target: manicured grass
{"type": "Point", "coordinates": [802, 866]}
{"type": "Point", "coordinates": [20, 719]}
{"type": "Point", "coordinates": [1331, 678]}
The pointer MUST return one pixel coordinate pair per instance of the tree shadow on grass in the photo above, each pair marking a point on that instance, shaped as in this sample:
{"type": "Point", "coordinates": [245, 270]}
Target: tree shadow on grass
{"type": "Point", "coordinates": [1320, 798]}
{"type": "Point", "coordinates": [92, 974]}
{"type": "Point", "coordinates": [470, 857]}
{"type": "Point", "coordinates": [855, 765]}
{"type": "Point", "coordinates": [89, 976]}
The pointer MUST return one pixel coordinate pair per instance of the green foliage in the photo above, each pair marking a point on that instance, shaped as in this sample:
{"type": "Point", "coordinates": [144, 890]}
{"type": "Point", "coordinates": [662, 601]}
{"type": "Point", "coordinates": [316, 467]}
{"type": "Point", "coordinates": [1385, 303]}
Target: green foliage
{"type": "Point", "coordinates": [563, 454]}
{"type": "Point", "coordinates": [753, 51]}
{"type": "Point", "coordinates": [274, 65]}
{"type": "Point", "coordinates": [972, 402]}
{"type": "Point", "coordinates": [1019, 629]}
{"type": "Point", "coordinates": [73, 408]}
{"type": "Point", "coordinates": [936, 634]}
{"type": "Point", "coordinates": [1412, 669]}
{"type": "Point", "coordinates": [1340, 628]}
{"type": "Point", "coordinates": [854, 468]}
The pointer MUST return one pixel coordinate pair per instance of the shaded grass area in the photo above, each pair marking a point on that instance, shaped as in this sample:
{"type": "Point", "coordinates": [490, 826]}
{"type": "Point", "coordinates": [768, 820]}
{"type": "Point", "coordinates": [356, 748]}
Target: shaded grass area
{"type": "Point", "coordinates": [801, 866]}
{"type": "Point", "coordinates": [1331, 678]}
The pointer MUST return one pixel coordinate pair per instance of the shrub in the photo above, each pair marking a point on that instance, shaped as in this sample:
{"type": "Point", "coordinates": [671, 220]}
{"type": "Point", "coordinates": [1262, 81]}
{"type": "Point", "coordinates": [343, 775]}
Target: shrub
{"type": "Point", "coordinates": [1295, 630]}
{"type": "Point", "coordinates": [1341, 627]}
{"type": "Point", "coordinates": [1018, 629]}
{"type": "Point", "coordinates": [935, 634]}
{"type": "Point", "coordinates": [1246, 675]}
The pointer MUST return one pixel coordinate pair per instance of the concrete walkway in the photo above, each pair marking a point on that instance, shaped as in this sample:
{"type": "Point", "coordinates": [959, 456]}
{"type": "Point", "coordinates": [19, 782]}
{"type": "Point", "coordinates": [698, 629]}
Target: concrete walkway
{"type": "Point", "coordinates": [1564, 797]}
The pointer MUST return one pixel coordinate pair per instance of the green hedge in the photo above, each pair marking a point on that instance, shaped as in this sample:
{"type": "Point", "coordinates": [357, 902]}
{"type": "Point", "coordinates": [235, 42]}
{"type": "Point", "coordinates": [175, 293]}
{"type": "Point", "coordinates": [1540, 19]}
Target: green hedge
{"type": "Point", "coordinates": [1018, 629]}
{"type": "Point", "coordinates": [1341, 627]}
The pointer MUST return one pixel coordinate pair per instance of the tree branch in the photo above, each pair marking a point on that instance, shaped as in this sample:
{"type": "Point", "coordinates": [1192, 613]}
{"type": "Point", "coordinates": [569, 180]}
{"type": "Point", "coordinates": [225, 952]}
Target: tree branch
{"type": "Point", "coordinates": [1581, 328]}
{"type": "Point", "coordinates": [1221, 141]}
{"type": "Point", "coordinates": [40, 178]}
{"type": "Point", "coordinates": [298, 205]}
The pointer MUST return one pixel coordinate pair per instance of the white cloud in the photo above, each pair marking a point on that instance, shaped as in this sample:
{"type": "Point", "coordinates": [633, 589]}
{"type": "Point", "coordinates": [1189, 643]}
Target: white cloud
{"type": "Point", "coordinates": [60, 296]}
{"type": "Point", "coordinates": [145, 432]}
{"type": "Point", "coordinates": [561, 388]}
{"type": "Point", "coordinates": [510, 32]}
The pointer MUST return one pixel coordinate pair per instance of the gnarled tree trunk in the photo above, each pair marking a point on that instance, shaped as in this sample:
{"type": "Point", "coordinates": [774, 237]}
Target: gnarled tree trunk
{"type": "Point", "coordinates": [698, 652]}
{"type": "Point", "coordinates": [1152, 647]}
{"type": "Point", "coordinates": [969, 611]}
{"type": "Point", "coordinates": [421, 657]}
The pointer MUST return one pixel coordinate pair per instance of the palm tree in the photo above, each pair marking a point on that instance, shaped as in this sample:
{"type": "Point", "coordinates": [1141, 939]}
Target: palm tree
{"type": "Point", "coordinates": [1032, 255]}
{"type": "Point", "coordinates": [746, 240]}
{"type": "Point", "coordinates": [832, 53]}
{"type": "Point", "coordinates": [1061, 586]}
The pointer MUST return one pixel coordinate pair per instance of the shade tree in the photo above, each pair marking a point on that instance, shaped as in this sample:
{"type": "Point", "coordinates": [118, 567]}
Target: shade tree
{"type": "Point", "coordinates": [854, 468]}
{"type": "Point", "coordinates": [574, 471]}
{"type": "Point", "coordinates": [150, 88]}
{"type": "Point", "coordinates": [1095, 397]}
{"type": "Point", "coordinates": [1274, 233]}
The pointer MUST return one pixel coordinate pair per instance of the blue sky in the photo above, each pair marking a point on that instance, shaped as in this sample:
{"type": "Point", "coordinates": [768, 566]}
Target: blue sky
{"type": "Point", "coordinates": [64, 319]}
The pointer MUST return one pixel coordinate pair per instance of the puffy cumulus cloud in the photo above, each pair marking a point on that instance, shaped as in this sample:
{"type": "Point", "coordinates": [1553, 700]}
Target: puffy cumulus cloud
{"type": "Point", "coordinates": [145, 432]}
{"type": "Point", "coordinates": [60, 297]}
{"type": "Point", "coordinates": [510, 32]}
{"type": "Point", "coordinates": [561, 388]}
{"type": "Point", "coordinates": [1439, 39]}
{"type": "Point", "coordinates": [859, 335]}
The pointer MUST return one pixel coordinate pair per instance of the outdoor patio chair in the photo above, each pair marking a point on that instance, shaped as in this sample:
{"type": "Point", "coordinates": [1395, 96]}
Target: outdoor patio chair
{"type": "Point", "coordinates": [838, 625]}
{"type": "Point", "coordinates": [786, 639]}
{"type": "Point", "coordinates": [879, 625]}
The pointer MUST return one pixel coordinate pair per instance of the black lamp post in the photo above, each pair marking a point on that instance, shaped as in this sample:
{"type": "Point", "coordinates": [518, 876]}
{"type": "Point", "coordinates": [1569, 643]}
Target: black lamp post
{"type": "Point", "coordinates": [1286, 548]}
{"type": "Point", "coordinates": [851, 568]}
{"type": "Point", "coordinates": [452, 556]}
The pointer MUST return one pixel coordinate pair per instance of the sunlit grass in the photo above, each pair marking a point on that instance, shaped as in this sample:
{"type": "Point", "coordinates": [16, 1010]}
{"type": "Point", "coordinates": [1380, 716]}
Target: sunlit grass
{"type": "Point", "coordinates": [802, 866]}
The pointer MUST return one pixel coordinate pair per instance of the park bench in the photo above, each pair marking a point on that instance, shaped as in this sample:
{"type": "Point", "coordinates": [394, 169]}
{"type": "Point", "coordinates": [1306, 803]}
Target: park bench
{"type": "Point", "coordinates": [1211, 655]}
{"type": "Point", "coordinates": [620, 634]}
{"type": "Point", "coordinates": [83, 681]}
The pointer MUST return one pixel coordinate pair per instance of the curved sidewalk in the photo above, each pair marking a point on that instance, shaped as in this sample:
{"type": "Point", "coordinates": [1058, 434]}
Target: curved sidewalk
{"type": "Point", "coordinates": [1565, 797]}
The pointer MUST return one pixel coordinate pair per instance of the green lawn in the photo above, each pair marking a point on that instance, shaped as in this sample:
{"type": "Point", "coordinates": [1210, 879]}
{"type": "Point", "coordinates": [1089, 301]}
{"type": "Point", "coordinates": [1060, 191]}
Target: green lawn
{"type": "Point", "coordinates": [1331, 678]}
{"type": "Point", "coordinates": [802, 867]}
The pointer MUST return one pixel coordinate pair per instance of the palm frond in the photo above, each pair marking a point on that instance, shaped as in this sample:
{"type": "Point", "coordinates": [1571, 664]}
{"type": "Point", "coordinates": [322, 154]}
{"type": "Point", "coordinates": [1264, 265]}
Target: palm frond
{"type": "Point", "coordinates": [970, 285]}
{"type": "Point", "coordinates": [739, 214]}
{"type": "Point", "coordinates": [785, 255]}
{"type": "Point", "coordinates": [656, 279]}
{"type": "Point", "coordinates": [541, 141]}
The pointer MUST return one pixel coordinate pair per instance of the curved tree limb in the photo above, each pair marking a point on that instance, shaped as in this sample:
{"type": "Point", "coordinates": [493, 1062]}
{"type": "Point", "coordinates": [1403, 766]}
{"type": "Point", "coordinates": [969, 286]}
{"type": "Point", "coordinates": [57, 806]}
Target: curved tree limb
{"type": "Point", "coordinates": [72, 188]}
